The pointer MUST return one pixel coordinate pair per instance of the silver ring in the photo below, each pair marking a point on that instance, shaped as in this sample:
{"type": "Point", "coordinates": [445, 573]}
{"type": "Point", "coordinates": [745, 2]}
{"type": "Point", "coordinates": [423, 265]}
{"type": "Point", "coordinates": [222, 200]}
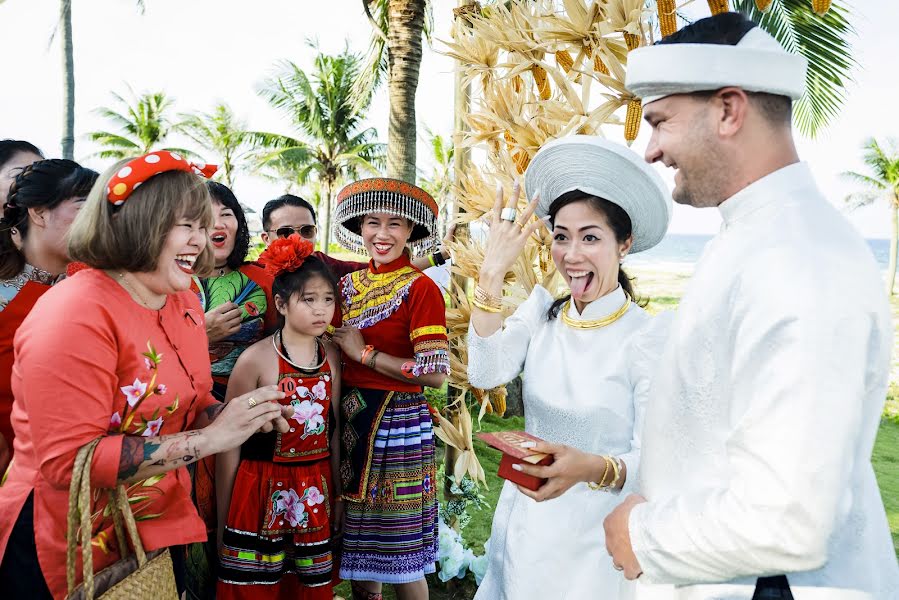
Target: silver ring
{"type": "Point", "coordinates": [508, 214]}
{"type": "Point", "coordinates": [252, 401]}
{"type": "Point", "coordinates": [617, 568]}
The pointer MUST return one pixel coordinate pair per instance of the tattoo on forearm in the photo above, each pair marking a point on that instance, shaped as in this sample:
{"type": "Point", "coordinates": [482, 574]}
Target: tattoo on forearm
{"type": "Point", "coordinates": [213, 411]}
{"type": "Point", "coordinates": [168, 452]}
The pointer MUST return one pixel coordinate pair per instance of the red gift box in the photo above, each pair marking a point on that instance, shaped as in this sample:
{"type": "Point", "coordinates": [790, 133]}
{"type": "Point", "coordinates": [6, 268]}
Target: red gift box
{"type": "Point", "coordinates": [509, 443]}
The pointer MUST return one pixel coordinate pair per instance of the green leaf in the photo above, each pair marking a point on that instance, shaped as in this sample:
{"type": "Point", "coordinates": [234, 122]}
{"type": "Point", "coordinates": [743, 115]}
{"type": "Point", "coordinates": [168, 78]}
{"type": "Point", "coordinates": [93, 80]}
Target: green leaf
{"type": "Point", "coordinates": [825, 42]}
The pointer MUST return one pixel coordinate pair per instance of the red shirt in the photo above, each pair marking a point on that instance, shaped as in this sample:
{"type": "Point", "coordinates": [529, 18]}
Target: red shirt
{"type": "Point", "coordinates": [87, 356]}
{"type": "Point", "coordinates": [401, 312]}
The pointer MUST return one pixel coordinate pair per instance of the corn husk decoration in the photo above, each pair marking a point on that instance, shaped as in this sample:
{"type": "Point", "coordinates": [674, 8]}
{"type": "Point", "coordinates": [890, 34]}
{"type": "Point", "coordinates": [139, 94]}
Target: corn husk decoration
{"type": "Point", "coordinates": [821, 7]}
{"type": "Point", "coordinates": [545, 69]}
{"type": "Point", "coordinates": [763, 5]}
{"type": "Point", "coordinates": [718, 6]}
{"type": "Point", "coordinates": [667, 17]}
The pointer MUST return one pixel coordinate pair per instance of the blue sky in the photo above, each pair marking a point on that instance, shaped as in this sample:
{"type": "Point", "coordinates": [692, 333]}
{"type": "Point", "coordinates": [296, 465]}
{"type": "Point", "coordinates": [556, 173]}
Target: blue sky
{"type": "Point", "coordinates": [204, 51]}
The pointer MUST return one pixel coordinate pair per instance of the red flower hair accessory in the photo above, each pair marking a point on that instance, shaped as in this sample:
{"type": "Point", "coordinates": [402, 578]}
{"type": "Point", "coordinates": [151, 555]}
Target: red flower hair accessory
{"type": "Point", "coordinates": [142, 168]}
{"type": "Point", "coordinates": [286, 254]}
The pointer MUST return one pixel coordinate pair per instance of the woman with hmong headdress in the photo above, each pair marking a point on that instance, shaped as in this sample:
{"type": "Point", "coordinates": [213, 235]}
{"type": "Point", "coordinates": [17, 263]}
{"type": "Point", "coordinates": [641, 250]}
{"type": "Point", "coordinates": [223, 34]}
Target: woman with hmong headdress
{"type": "Point", "coordinates": [393, 337]}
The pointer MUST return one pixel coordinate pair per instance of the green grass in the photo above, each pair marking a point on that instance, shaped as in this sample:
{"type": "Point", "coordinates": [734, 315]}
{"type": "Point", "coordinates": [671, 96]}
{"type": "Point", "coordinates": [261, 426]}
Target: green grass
{"type": "Point", "coordinates": [886, 466]}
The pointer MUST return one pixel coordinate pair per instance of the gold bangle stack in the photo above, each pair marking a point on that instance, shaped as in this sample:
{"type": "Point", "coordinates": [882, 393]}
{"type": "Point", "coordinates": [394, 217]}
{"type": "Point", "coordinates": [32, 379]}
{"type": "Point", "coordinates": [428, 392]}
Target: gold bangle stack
{"type": "Point", "coordinates": [487, 301]}
{"type": "Point", "coordinates": [615, 466]}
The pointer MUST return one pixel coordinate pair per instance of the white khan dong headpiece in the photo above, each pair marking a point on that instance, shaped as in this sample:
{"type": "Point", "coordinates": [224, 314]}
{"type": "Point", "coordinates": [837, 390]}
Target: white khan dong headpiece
{"type": "Point", "coordinates": [758, 63]}
{"type": "Point", "coordinates": [608, 170]}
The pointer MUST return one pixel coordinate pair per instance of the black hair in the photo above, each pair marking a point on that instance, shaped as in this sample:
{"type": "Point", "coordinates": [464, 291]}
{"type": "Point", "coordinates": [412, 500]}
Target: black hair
{"type": "Point", "coordinates": [43, 184]}
{"type": "Point", "coordinates": [9, 148]}
{"type": "Point", "coordinates": [618, 221]}
{"type": "Point", "coordinates": [288, 283]}
{"type": "Point", "coordinates": [727, 29]}
{"type": "Point", "coordinates": [281, 201]}
{"type": "Point", "coordinates": [223, 194]}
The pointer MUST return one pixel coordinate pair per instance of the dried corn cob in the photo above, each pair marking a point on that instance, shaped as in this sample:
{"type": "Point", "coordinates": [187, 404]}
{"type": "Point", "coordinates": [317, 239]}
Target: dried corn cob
{"type": "Point", "coordinates": [498, 400]}
{"type": "Point", "coordinates": [632, 119]}
{"type": "Point", "coordinates": [522, 160]}
{"type": "Point", "coordinates": [763, 5]}
{"type": "Point", "coordinates": [542, 82]}
{"type": "Point", "coordinates": [564, 60]}
{"type": "Point", "coordinates": [600, 66]}
{"type": "Point", "coordinates": [820, 6]}
{"type": "Point", "coordinates": [718, 6]}
{"type": "Point", "coordinates": [667, 18]}
{"type": "Point", "coordinates": [632, 41]}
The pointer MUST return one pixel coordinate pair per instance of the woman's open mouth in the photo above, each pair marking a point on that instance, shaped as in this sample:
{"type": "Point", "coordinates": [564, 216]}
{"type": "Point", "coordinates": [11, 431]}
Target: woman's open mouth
{"type": "Point", "coordinates": [186, 262]}
{"type": "Point", "coordinates": [218, 239]}
{"type": "Point", "coordinates": [579, 281]}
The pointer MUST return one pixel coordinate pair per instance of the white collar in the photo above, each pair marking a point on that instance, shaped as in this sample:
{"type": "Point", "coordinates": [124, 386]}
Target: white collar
{"type": "Point", "coordinates": [599, 308]}
{"type": "Point", "coordinates": [768, 189]}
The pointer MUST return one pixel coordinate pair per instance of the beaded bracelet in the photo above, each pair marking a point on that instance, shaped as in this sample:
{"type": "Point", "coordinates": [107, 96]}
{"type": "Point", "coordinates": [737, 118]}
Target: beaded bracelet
{"type": "Point", "coordinates": [485, 298]}
{"type": "Point", "coordinates": [370, 363]}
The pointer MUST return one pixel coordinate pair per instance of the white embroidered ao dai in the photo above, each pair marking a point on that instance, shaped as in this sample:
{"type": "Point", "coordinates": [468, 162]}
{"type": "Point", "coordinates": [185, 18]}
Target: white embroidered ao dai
{"type": "Point", "coordinates": [582, 387]}
{"type": "Point", "coordinates": [759, 428]}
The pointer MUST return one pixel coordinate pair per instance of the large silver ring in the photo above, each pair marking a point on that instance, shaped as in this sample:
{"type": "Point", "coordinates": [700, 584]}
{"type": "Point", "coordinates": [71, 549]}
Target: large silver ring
{"type": "Point", "coordinates": [508, 214]}
{"type": "Point", "coordinates": [617, 567]}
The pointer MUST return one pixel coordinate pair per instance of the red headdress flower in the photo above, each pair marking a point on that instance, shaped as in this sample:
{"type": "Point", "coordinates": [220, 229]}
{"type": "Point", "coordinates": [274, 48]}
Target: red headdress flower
{"type": "Point", "coordinates": [286, 254]}
{"type": "Point", "coordinates": [142, 168]}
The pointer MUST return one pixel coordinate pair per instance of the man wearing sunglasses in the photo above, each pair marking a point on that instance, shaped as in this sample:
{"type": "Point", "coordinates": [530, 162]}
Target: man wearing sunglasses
{"type": "Point", "coordinates": [289, 214]}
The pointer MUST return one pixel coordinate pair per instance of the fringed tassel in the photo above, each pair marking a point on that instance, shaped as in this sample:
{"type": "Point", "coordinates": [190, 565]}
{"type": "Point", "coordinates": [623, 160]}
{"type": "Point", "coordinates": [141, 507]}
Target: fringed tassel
{"type": "Point", "coordinates": [433, 361]}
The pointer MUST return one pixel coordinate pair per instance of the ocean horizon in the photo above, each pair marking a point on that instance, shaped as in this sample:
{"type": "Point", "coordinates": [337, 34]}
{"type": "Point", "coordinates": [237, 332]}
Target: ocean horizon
{"type": "Point", "coordinates": [685, 249]}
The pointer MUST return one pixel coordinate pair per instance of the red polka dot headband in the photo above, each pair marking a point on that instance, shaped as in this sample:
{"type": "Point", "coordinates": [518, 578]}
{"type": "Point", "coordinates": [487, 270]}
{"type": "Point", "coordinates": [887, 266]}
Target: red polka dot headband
{"type": "Point", "coordinates": [142, 168]}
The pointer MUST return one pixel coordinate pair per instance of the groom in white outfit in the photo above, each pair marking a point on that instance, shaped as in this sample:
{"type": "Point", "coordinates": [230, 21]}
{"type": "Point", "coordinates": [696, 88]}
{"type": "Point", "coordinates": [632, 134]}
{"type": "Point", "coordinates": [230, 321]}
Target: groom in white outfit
{"type": "Point", "coordinates": [759, 429]}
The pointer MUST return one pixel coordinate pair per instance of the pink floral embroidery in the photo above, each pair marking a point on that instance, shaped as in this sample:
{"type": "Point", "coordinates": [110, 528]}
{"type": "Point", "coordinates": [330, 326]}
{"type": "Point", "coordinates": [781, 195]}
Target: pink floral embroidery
{"type": "Point", "coordinates": [150, 366]}
{"type": "Point", "coordinates": [318, 391]}
{"type": "Point", "coordinates": [115, 420]}
{"type": "Point", "coordinates": [153, 427]}
{"type": "Point", "coordinates": [161, 389]}
{"type": "Point", "coordinates": [314, 496]}
{"type": "Point", "coordinates": [291, 506]}
{"type": "Point", "coordinates": [309, 414]}
{"type": "Point", "coordinates": [134, 392]}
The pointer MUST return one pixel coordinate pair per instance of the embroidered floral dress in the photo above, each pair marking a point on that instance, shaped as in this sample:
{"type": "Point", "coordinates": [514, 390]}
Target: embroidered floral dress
{"type": "Point", "coordinates": [277, 538]}
{"type": "Point", "coordinates": [387, 462]}
{"type": "Point", "coordinates": [17, 297]}
{"type": "Point", "coordinates": [90, 362]}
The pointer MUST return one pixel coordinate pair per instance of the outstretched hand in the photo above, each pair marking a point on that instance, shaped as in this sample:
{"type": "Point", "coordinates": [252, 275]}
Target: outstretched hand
{"type": "Point", "coordinates": [507, 237]}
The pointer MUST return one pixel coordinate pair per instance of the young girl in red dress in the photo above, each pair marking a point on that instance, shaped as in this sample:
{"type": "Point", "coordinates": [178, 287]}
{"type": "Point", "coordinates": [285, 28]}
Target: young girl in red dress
{"type": "Point", "coordinates": [276, 493]}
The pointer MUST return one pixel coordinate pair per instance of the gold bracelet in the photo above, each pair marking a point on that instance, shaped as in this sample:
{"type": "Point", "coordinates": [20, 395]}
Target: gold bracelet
{"type": "Point", "coordinates": [599, 486]}
{"type": "Point", "coordinates": [484, 307]}
{"type": "Point", "coordinates": [485, 297]}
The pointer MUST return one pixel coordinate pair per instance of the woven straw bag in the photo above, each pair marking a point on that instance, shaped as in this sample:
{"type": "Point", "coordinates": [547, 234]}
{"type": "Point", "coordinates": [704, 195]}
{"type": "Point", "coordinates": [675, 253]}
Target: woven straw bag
{"type": "Point", "coordinates": [133, 577]}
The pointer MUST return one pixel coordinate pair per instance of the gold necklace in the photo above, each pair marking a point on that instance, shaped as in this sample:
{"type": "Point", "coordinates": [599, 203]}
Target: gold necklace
{"type": "Point", "coordinates": [134, 292]}
{"type": "Point", "coordinates": [595, 323]}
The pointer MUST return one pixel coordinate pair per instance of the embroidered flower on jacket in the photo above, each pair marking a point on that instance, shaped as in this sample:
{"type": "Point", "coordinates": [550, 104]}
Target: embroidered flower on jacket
{"type": "Point", "coordinates": [314, 496]}
{"type": "Point", "coordinates": [161, 389]}
{"type": "Point", "coordinates": [115, 420]}
{"type": "Point", "coordinates": [309, 414]}
{"type": "Point", "coordinates": [134, 392]}
{"type": "Point", "coordinates": [153, 427]}
{"type": "Point", "coordinates": [147, 363]}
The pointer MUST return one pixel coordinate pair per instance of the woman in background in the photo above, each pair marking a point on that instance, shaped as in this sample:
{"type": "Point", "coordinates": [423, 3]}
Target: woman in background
{"type": "Point", "coordinates": [37, 212]}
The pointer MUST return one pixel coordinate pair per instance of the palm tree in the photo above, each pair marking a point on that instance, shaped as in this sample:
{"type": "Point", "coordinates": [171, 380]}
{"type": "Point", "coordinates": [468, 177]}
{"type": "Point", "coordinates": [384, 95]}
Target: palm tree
{"type": "Point", "coordinates": [221, 134]}
{"type": "Point", "coordinates": [881, 181]}
{"type": "Point", "coordinates": [398, 27]}
{"type": "Point", "coordinates": [331, 145]}
{"type": "Point", "coordinates": [824, 41]}
{"type": "Point", "coordinates": [440, 181]}
{"type": "Point", "coordinates": [143, 125]}
{"type": "Point", "coordinates": [68, 80]}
